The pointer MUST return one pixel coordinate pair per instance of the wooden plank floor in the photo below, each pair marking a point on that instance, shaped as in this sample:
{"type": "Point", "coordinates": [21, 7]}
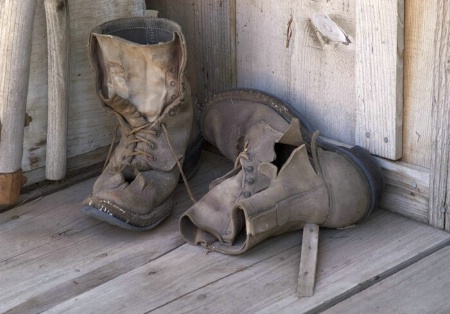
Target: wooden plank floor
{"type": "Point", "coordinates": [53, 259]}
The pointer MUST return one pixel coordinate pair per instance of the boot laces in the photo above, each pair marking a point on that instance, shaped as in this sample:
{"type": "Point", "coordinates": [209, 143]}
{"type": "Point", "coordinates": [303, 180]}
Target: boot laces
{"type": "Point", "coordinates": [132, 138]}
{"type": "Point", "coordinates": [242, 155]}
{"type": "Point", "coordinates": [135, 139]}
{"type": "Point", "coordinates": [180, 167]}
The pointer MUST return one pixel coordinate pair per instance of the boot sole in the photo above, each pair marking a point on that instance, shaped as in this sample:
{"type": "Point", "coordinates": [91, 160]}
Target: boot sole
{"type": "Point", "coordinates": [358, 156]}
{"type": "Point", "coordinates": [93, 212]}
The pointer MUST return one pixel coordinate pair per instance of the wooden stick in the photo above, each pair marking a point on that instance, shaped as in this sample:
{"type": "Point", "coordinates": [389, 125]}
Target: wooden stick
{"type": "Point", "coordinates": [308, 261]}
{"type": "Point", "coordinates": [56, 12]}
{"type": "Point", "coordinates": [16, 25]}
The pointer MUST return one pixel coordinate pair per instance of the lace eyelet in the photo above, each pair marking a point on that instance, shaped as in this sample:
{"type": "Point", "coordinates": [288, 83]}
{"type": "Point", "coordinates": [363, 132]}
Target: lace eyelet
{"type": "Point", "coordinates": [157, 133]}
{"type": "Point", "coordinates": [250, 180]}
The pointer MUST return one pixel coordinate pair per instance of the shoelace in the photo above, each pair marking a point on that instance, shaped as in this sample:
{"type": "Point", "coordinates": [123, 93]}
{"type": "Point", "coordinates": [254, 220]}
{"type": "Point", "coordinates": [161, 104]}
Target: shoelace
{"type": "Point", "coordinates": [137, 152]}
{"type": "Point", "coordinates": [186, 184]}
{"type": "Point", "coordinates": [242, 155]}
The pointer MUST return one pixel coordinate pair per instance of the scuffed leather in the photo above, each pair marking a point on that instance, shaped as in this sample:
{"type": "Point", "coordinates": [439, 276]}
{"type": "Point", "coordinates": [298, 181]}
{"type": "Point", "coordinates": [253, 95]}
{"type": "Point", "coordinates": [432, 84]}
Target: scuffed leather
{"type": "Point", "coordinates": [139, 65]}
{"type": "Point", "coordinates": [267, 194]}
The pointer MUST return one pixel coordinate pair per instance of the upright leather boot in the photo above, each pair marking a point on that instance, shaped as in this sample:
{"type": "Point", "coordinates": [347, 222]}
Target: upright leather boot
{"type": "Point", "coordinates": [284, 176]}
{"type": "Point", "coordinates": [139, 65]}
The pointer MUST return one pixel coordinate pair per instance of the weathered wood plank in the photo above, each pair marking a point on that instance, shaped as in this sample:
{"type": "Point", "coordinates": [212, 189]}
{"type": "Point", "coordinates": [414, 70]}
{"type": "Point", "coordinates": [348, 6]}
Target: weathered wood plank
{"type": "Point", "coordinates": [16, 25]}
{"type": "Point", "coordinates": [283, 47]}
{"type": "Point", "coordinates": [407, 189]}
{"type": "Point", "coordinates": [264, 279]}
{"type": "Point", "coordinates": [58, 28]}
{"type": "Point", "coordinates": [420, 288]}
{"type": "Point", "coordinates": [308, 260]}
{"type": "Point", "coordinates": [379, 76]}
{"type": "Point", "coordinates": [16, 28]}
{"type": "Point", "coordinates": [207, 26]}
{"type": "Point", "coordinates": [440, 159]}
{"type": "Point", "coordinates": [89, 127]}
{"type": "Point", "coordinates": [420, 24]}
{"type": "Point", "coordinates": [52, 252]}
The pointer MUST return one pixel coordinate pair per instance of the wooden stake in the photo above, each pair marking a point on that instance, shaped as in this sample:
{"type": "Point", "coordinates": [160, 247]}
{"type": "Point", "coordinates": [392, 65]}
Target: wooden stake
{"type": "Point", "coordinates": [308, 261]}
{"type": "Point", "coordinates": [56, 12]}
{"type": "Point", "coordinates": [16, 25]}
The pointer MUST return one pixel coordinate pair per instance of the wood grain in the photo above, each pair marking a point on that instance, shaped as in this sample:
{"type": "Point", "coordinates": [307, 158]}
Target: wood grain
{"type": "Point", "coordinates": [422, 288]}
{"type": "Point", "coordinates": [264, 280]}
{"type": "Point", "coordinates": [420, 25]}
{"type": "Point", "coordinates": [58, 28]}
{"type": "Point", "coordinates": [16, 25]}
{"type": "Point", "coordinates": [89, 127]}
{"type": "Point", "coordinates": [308, 260]}
{"type": "Point", "coordinates": [440, 161]}
{"type": "Point", "coordinates": [283, 48]}
{"type": "Point", "coordinates": [379, 76]}
{"type": "Point", "coordinates": [69, 253]}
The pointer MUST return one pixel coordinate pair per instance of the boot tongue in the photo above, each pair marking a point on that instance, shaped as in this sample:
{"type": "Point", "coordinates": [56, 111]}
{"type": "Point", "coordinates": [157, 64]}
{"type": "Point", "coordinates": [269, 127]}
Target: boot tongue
{"type": "Point", "coordinates": [126, 109]}
{"type": "Point", "coordinates": [262, 137]}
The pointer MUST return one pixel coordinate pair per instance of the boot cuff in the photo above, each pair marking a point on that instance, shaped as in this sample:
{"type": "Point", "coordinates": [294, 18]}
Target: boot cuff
{"type": "Point", "coordinates": [140, 30]}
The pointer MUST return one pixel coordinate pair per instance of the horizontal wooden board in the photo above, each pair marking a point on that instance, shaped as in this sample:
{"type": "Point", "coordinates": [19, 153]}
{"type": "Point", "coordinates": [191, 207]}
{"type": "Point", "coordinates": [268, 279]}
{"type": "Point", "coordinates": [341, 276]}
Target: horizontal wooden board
{"type": "Point", "coordinates": [407, 189]}
{"type": "Point", "coordinates": [265, 279]}
{"type": "Point", "coordinates": [52, 252]}
{"type": "Point", "coordinates": [421, 288]}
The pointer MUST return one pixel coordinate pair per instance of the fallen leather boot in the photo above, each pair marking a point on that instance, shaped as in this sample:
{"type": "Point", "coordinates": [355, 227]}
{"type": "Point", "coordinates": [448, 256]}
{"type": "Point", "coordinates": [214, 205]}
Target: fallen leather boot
{"type": "Point", "coordinates": [284, 176]}
{"type": "Point", "coordinates": [139, 65]}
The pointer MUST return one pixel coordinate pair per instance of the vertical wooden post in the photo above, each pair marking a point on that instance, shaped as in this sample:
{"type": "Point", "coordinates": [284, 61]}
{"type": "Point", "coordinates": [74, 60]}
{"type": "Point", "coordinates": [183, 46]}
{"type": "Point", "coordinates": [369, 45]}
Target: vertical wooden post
{"type": "Point", "coordinates": [440, 158]}
{"type": "Point", "coordinates": [56, 12]}
{"type": "Point", "coordinates": [379, 76]}
{"type": "Point", "coordinates": [308, 261]}
{"type": "Point", "coordinates": [16, 24]}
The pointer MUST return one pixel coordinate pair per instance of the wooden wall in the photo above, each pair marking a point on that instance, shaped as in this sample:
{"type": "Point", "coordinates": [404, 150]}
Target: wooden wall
{"type": "Point", "coordinates": [89, 127]}
{"type": "Point", "coordinates": [361, 71]}
{"type": "Point", "coordinates": [370, 73]}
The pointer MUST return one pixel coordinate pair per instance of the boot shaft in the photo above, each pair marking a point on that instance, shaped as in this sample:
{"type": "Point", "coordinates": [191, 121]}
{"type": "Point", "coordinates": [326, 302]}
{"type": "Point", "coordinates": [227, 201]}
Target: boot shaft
{"type": "Point", "coordinates": [139, 65]}
{"type": "Point", "coordinates": [141, 60]}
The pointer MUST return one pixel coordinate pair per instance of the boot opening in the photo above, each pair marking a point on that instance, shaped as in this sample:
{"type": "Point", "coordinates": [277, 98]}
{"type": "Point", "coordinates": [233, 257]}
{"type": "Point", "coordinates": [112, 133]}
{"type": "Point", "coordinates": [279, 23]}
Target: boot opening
{"type": "Point", "coordinates": [282, 151]}
{"type": "Point", "coordinates": [128, 174]}
{"type": "Point", "coordinates": [145, 36]}
{"type": "Point", "coordinates": [143, 31]}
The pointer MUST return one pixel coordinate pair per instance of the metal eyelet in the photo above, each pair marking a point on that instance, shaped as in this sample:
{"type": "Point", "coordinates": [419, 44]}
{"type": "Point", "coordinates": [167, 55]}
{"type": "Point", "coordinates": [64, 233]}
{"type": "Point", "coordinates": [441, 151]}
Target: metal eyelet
{"type": "Point", "coordinates": [172, 112]}
{"type": "Point", "coordinates": [157, 133]}
{"type": "Point", "coordinates": [250, 180]}
{"type": "Point", "coordinates": [249, 168]}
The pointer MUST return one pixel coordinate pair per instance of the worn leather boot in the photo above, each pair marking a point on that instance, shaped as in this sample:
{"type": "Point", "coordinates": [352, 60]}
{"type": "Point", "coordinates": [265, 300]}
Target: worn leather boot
{"type": "Point", "coordinates": [284, 176]}
{"type": "Point", "coordinates": [139, 65]}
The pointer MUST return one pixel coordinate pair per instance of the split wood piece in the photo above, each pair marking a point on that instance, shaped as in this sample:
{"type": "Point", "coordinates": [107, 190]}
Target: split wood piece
{"type": "Point", "coordinates": [10, 185]}
{"type": "Point", "coordinates": [56, 12]}
{"type": "Point", "coordinates": [308, 261]}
